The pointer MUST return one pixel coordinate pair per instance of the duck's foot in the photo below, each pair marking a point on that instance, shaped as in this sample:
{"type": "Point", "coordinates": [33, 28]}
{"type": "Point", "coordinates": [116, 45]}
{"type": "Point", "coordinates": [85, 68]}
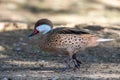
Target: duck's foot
{"type": "Point", "coordinates": [74, 64]}
{"type": "Point", "coordinates": [77, 64]}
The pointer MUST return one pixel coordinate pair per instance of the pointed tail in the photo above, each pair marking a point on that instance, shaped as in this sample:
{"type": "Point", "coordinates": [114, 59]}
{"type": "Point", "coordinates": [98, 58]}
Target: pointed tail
{"type": "Point", "coordinates": [104, 40]}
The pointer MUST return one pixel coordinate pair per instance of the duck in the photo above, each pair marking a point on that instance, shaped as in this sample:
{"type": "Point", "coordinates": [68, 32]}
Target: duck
{"type": "Point", "coordinates": [64, 40]}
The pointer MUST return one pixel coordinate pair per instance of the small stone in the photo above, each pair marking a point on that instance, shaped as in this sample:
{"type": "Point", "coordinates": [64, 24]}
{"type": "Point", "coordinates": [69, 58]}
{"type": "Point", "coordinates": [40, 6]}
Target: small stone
{"type": "Point", "coordinates": [95, 60]}
{"type": "Point", "coordinates": [2, 26]}
{"type": "Point", "coordinates": [23, 43]}
{"type": "Point", "coordinates": [43, 61]}
{"type": "Point", "coordinates": [18, 49]}
{"type": "Point", "coordinates": [16, 44]}
{"type": "Point", "coordinates": [21, 39]}
{"type": "Point", "coordinates": [5, 78]}
{"type": "Point", "coordinates": [54, 78]}
{"type": "Point", "coordinates": [2, 48]}
{"type": "Point", "coordinates": [113, 55]}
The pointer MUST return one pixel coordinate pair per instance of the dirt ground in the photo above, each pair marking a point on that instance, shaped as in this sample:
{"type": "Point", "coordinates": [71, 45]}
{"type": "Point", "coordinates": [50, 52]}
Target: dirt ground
{"type": "Point", "coordinates": [21, 58]}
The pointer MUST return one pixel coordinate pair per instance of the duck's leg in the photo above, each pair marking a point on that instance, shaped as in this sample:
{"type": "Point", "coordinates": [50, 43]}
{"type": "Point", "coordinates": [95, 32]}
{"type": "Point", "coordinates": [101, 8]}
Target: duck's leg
{"type": "Point", "coordinates": [76, 61]}
{"type": "Point", "coordinates": [70, 60]}
{"type": "Point", "coordinates": [73, 60]}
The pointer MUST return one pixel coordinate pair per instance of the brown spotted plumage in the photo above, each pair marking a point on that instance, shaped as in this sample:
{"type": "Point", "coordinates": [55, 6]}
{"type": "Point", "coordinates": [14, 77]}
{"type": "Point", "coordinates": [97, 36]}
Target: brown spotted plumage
{"type": "Point", "coordinates": [64, 40]}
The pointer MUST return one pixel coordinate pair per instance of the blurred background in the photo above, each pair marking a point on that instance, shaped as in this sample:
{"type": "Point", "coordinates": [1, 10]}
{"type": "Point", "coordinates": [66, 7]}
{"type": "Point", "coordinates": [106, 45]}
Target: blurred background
{"type": "Point", "coordinates": [61, 11]}
{"type": "Point", "coordinates": [21, 57]}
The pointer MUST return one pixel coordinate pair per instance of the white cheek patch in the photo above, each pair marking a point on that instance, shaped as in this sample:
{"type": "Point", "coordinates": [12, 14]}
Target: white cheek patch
{"type": "Point", "coordinates": [44, 28]}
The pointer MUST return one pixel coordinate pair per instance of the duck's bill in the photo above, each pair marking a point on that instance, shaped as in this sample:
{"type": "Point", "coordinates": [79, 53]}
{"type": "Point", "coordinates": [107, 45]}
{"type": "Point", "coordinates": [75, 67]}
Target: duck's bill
{"type": "Point", "coordinates": [32, 34]}
{"type": "Point", "coordinates": [104, 40]}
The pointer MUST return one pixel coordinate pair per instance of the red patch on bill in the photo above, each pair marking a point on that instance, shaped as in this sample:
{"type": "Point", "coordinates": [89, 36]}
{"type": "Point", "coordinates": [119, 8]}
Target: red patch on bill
{"type": "Point", "coordinates": [36, 31]}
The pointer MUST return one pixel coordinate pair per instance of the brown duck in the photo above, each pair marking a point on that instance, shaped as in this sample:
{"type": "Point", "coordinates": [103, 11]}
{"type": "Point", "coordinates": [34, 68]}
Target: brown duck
{"type": "Point", "coordinates": [64, 40]}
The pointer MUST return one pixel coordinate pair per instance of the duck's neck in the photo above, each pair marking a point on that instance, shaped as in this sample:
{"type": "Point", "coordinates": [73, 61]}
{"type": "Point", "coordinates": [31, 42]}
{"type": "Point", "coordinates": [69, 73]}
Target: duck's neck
{"type": "Point", "coordinates": [42, 36]}
{"type": "Point", "coordinates": [42, 41]}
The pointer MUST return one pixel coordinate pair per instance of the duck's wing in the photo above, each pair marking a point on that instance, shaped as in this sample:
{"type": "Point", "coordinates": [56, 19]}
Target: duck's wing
{"type": "Point", "coordinates": [64, 30]}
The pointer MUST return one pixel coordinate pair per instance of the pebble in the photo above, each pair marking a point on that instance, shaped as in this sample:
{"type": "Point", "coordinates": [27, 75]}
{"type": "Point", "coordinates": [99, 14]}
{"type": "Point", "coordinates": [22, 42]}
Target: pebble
{"type": "Point", "coordinates": [54, 78]}
{"type": "Point", "coordinates": [21, 39]}
{"type": "Point", "coordinates": [16, 44]}
{"type": "Point", "coordinates": [23, 43]}
{"type": "Point", "coordinates": [2, 48]}
{"type": "Point", "coordinates": [5, 78]}
{"type": "Point", "coordinates": [114, 55]}
{"type": "Point", "coordinates": [2, 26]}
{"type": "Point", "coordinates": [18, 49]}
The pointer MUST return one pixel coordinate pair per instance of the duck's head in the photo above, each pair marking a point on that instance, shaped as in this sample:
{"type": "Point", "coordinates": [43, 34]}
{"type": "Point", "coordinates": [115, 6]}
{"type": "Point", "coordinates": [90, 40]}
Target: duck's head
{"type": "Point", "coordinates": [43, 26]}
